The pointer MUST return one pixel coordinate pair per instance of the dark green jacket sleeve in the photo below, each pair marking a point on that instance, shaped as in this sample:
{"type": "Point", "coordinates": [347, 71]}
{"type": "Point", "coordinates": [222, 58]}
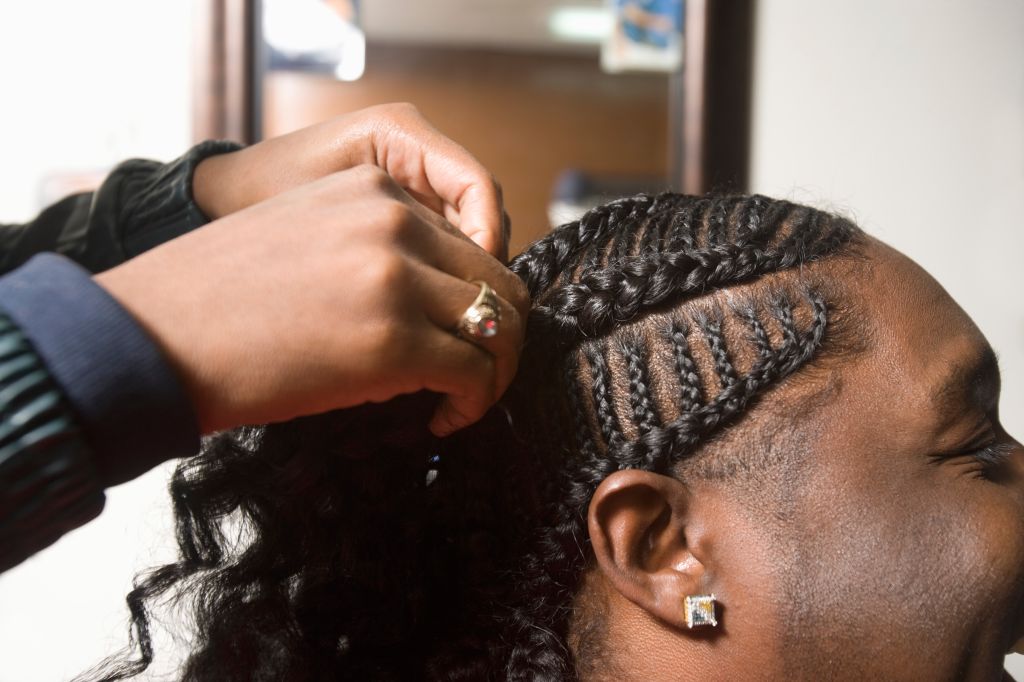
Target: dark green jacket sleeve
{"type": "Point", "coordinates": [86, 398]}
{"type": "Point", "coordinates": [141, 204]}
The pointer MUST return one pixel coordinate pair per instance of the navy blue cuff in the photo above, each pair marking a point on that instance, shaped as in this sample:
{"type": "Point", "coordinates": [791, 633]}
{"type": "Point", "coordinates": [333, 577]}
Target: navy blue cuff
{"type": "Point", "coordinates": [131, 406]}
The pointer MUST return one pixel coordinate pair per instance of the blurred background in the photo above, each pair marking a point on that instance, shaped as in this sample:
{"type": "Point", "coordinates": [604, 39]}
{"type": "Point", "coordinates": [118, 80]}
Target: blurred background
{"type": "Point", "coordinates": [907, 117]}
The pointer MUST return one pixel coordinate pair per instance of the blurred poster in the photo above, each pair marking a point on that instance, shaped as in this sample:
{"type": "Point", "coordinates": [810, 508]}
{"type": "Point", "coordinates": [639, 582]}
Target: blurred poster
{"type": "Point", "coordinates": [647, 35]}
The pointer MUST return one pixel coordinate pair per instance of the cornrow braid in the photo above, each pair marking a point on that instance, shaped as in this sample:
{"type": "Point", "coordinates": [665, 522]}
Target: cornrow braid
{"type": "Point", "coordinates": [571, 383]}
{"type": "Point", "coordinates": [640, 400]}
{"type": "Point", "coordinates": [782, 309]}
{"type": "Point", "coordinates": [615, 293]}
{"type": "Point", "coordinates": [600, 379]}
{"type": "Point", "coordinates": [682, 226]}
{"type": "Point", "coordinates": [717, 223]}
{"type": "Point", "coordinates": [550, 255]}
{"type": "Point", "coordinates": [758, 334]}
{"type": "Point", "coordinates": [690, 390]}
{"type": "Point", "coordinates": [716, 343]}
{"type": "Point", "coordinates": [750, 213]}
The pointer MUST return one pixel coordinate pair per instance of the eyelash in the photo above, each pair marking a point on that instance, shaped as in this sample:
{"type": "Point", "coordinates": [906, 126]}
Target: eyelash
{"type": "Point", "coordinates": [987, 458]}
{"type": "Point", "coordinates": [994, 454]}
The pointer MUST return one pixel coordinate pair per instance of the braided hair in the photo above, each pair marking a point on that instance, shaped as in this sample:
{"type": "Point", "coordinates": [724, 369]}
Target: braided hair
{"type": "Point", "coordinates": [354, 545]}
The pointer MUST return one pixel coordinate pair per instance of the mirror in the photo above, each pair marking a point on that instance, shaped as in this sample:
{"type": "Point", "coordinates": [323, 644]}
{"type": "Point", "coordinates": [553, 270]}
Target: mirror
{"type": "Point", "coordinates": [518, 82]}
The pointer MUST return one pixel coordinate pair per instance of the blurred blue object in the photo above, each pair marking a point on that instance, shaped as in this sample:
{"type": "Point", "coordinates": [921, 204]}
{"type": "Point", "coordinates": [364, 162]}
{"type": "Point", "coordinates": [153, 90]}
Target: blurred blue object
{"type": "Point", "coordinates": [652, 22]}
{"type": "Point", "coordinates": [647, 35]}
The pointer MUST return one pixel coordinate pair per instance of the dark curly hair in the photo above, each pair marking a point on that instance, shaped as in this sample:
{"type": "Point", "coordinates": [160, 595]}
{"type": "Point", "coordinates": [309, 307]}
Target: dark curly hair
{"type": "Point", "coordinates": [355, 546]}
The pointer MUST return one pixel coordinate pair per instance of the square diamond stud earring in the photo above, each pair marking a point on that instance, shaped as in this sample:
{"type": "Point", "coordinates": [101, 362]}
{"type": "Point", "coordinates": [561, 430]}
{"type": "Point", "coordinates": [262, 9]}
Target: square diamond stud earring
{"type": "Point", "coordinates": [700, 610]}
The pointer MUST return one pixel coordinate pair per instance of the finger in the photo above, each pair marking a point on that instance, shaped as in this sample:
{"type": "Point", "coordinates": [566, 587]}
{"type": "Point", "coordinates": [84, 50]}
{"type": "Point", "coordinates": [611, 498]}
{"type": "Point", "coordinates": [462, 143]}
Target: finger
{"type": "Point", "coordinates": [451, 213]}
{"type": "Point", "coordinates": [480, 213]}
{"type": "Point", "coordinates": [473, 265]}
{"type": "Point", "coordinates": [464, 373]}
{"type": "Point", "coordinates": [428, 164]}
{"type": "Point", "coordinates": [434, 203]}
{"type": "Point", "coordinates": [446, 299]}
{"type": "Point", "coordinates": [449, 250]}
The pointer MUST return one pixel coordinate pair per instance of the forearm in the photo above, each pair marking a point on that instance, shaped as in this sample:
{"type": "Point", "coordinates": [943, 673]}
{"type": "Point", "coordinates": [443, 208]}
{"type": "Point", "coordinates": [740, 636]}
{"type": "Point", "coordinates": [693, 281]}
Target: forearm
{"type": "Point", "coordinates": [141, 204]}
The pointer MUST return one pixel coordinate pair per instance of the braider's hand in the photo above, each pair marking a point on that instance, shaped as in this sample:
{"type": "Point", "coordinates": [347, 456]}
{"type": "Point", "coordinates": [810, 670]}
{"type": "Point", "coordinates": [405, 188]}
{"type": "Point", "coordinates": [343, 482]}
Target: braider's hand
{"type": "Point", "coordinates": [439, 173]}
{"type": "Point", "coordinates": [342, 291]}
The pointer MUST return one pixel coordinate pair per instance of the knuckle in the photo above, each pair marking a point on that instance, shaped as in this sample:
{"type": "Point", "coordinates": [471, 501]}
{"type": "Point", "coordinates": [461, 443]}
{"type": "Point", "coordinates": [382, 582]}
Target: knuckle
{"type": "Point", "coordinates": [389, 340]}
{"type": "Point", "coordinates": [400, 110]}
{"type": "Point", "coordinates": [374, 177]}
{"type": "Point", "coordinates": [486, 384]}
{"type": "Point", "coordinates": [327, 188]}
{"type": "Point", "coordinates": [394, 341]}
{"type": "Point", "coordinates": [385, 272]}
{"type": "Point", "coordinates": [397, 222]}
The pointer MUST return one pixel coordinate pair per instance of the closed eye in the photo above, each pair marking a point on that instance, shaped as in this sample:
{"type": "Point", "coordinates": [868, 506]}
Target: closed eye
{"type": "Point", "coordinates": [981, 461]}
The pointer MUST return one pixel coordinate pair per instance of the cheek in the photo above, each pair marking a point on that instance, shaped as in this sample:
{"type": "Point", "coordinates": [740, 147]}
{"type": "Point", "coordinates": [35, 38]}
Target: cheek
{"type": "Point", "coordinates": [903, 569]}
{"type": "Point", "coordinates": [892, 565]}
{"type": "Point", "coordinates": [989, 541]}
{"type": "Point", "coordinates": [944, 556]}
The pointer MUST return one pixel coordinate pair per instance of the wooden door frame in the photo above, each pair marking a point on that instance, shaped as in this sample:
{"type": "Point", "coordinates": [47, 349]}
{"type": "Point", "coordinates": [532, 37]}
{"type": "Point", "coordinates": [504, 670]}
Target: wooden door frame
{"type": "Point", "coordinates": [710, 98]}
{"type": "Point", "coordinates": [226, 90]}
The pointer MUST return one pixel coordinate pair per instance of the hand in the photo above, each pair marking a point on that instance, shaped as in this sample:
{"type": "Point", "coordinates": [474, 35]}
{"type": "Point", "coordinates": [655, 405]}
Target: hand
{"type": "Point", "coordinates": [439, 173]}
{"type": "Point", "coordinates": [355, 301]}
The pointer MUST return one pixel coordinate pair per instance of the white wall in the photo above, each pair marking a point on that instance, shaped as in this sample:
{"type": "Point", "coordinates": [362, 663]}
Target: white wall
{"type": "Point", "coordinates": [908, 116]}
{"type": "Point", "coordinates": [83, 85]}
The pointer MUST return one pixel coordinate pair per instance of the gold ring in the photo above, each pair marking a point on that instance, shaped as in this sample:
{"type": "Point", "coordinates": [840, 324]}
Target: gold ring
{"type": "Point", "coordinates": [480, 321]}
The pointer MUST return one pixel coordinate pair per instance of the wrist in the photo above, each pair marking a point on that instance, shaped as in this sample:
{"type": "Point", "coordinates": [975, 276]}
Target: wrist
{"type": "Point", "coordinates": [209, 189]}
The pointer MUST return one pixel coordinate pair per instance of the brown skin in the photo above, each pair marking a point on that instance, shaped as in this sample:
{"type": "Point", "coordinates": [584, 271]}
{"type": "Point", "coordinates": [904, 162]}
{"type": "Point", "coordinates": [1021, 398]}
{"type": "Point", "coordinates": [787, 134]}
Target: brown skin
{"type": "Point", "coordinates": [899, 556]}
{"type": "Point", "coordinates": [334, 272]}
{"type": "Point", "coordinates": [439, 173]}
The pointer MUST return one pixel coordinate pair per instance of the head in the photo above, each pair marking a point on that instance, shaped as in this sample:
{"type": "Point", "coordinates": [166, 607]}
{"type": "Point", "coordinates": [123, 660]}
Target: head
{"type": "Point", "coordinates": [727, 395]}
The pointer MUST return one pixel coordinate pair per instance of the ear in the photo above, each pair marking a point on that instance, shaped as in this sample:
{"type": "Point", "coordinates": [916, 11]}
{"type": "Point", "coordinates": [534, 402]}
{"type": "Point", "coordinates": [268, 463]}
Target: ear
{"type": "Point", "coordinates": [640, 531]}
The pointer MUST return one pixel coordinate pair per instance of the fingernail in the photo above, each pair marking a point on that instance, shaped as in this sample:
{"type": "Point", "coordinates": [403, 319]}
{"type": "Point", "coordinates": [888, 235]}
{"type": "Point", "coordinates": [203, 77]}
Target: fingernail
{"type": "Point", "coordinates": [440, 426]}
{"type": "Point", "coordinates": [480, 239]}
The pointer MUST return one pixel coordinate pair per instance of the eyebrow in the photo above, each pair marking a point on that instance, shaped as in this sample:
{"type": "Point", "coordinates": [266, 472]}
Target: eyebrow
{"type": "Point", "coordinates": [974, 383]}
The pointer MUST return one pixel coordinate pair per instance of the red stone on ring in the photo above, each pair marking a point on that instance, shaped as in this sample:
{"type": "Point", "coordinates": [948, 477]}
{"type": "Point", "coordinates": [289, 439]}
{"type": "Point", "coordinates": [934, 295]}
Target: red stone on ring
{"type": "Point", "coordinates": [488, 327]}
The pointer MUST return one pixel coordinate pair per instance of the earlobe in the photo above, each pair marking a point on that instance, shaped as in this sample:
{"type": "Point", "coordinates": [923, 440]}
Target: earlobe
{"type": "Point", "coordinates": [638, 523]}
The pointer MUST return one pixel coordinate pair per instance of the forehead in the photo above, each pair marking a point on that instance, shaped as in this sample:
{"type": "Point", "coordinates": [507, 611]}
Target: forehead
{"type": "Point", "coordinates": [918, 334]}
{"type": "Point", "coordinates": [919, 340]}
